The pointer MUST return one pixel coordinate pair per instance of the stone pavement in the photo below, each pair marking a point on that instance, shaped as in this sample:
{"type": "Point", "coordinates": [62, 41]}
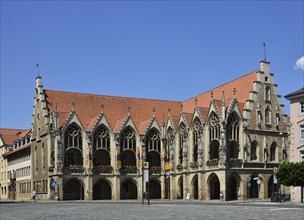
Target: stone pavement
{"type": "Point", "coordinates": [158, 209]}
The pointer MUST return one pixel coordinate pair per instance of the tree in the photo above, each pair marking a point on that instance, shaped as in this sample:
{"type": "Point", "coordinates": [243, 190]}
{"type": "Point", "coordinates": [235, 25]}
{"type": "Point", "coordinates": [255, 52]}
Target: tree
{"type": "Point", "coordinates": [291, 174]}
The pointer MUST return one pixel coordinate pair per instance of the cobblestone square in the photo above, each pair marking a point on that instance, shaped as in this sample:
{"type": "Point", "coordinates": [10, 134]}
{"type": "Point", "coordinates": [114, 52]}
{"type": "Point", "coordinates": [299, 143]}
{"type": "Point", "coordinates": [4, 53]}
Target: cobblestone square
{"type": "Point", "coordinates": [156, 210]}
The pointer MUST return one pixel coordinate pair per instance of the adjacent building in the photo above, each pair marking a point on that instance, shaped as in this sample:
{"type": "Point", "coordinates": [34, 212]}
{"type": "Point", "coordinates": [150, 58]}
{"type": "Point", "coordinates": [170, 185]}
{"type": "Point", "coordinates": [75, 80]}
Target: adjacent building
{"type": "Point", "coordinates": [297, 134]}
{"type": "Point", "coordinates": [228, 139]}
{"type": "Point", "coordinates": [7, 139]}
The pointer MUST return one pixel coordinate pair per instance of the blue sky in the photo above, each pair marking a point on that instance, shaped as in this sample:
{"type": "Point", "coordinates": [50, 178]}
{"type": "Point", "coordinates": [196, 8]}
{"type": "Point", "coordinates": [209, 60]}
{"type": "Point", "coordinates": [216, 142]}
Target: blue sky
{"type": "Point", "coordinates": [171, 50]}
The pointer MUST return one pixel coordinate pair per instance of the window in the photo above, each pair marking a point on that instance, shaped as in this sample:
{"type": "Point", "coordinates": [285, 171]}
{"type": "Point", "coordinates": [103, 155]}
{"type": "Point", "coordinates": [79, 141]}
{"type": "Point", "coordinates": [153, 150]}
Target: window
{"type": "Point", "coordinates": [182, 138]}
{"type": "Point", "coordinates": [273, 156]}
{"type": "Point", "coordinates": [267, 116]}
{"type": "Point", "coordinates": [253, 151]}
{"type": "Point", "coordinates": [267, 93]}
{"type": "Point", "coordinates": [301, 107]}
{"type": "Point", "coordinates": [302, 156]}
{"type": "Point", "coordinates": [301, 131]}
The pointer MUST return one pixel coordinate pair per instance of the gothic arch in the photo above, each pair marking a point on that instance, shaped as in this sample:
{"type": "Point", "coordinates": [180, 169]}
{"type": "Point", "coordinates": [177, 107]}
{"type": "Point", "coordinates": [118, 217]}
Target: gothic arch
{"type": "Point", "coordinates": [274, 152]}
{"type": "Point", "coordinates": [195, 138]}
{"type": "Point", "coordinates": [194, 184]}
{"type": "Point", "coordinates": [128, 147]}
{"type": "Point", "coordinates": [101, 146]}
{"type": "Point", "coordinates": [180, 188]}
{"type": "Point", "coordinates": [102, 190]}
{"type": "Point", "coordinates": [254, 151]}
{"type": "Point", "coordinates": [214, 186]}
{"type": "Point", "coordinates": [233, 187]}
{"type": "Point", "coordinates": [155, 189]}
{"type": "Point", "coordinates": [128, 189]}
{"type": "Point", "coordinates": [233, 133]}
{"type": "Point", "coordinates": [214, 149]}
{"type": "Point", "coordinates": [153, 148]}
{"type": "Point", "coordinates": [73, 189]}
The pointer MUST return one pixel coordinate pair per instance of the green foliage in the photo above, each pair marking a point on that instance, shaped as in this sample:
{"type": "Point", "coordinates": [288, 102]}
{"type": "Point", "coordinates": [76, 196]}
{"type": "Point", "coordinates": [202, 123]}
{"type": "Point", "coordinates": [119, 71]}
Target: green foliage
{"type": "Point", "coordinates": [291, 174]}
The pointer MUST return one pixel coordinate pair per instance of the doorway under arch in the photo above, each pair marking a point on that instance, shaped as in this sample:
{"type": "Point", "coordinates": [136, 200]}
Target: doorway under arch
{"type": "Point", "coordinates": [254, 187]}
{"type": "Point", "coordinates": [180, 186]}
{"type": "Point", "coordinates": [102, 190]}
{"type": "Point", "coordinates": [233, 187]}
{"type": "Point", "coordinates": [214, 186]}
{"type": "Point", "coordinates": [73, 190]}
{"type": "Point", "coordinates": [195, 187]}
{"type": "Point", "coordinates": [128, 189]}
{"type": "Point", "coordinates": [154, 189]}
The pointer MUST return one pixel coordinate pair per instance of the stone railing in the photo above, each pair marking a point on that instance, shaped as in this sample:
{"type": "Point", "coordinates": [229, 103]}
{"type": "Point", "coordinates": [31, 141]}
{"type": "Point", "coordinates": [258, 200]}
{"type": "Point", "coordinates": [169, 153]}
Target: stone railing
{"type": "Point", "coordinates": [128, 170]}
{"type": "Point", "coordinates": [179, 167]}
{"type": "Point", "coordinates": [106, 169]}
{"type": "Point", "coordinates": [235, 163]}
{"type": "Point", "coordinates": [155, 170]}
{"type": "Point", "coordinates": [254, 165]}
{"type": "Point", "coordinates": [73, 169]}
{"type": "Point", "coordinates": [212, 163]}
{"type": "Point", "coordinates": [194, 165]}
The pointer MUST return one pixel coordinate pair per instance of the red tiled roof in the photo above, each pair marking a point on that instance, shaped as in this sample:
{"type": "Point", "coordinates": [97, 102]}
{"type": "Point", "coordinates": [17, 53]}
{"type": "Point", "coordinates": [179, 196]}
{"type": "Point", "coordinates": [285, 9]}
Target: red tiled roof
{"type": "Point", "coordinates": [11, 135]}
{"type": "Point", "coordinates": [243, 85]}
{"type": "Point", "coordinates": [88, 106]}
{"type": "Point", "coordinates": [17, 149]}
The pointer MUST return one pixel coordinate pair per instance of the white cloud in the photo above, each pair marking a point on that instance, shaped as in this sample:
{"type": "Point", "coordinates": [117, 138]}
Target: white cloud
{"type": "Point", "coordinates": [299, 64]}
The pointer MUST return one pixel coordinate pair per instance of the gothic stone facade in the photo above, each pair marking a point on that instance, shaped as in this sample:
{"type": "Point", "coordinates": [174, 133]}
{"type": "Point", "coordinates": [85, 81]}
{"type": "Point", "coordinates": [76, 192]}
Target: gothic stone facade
{"type": "Point", "coordinates": [228, 139]}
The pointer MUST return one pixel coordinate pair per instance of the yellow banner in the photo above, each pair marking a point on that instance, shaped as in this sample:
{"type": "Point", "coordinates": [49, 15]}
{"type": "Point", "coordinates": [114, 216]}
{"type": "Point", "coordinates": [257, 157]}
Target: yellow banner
{"type": "Point", "coordinates": [167, 166]}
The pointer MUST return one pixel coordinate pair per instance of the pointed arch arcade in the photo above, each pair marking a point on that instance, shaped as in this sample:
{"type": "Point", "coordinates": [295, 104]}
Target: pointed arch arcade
{"type": "Point", "coordinates": [128, 147]}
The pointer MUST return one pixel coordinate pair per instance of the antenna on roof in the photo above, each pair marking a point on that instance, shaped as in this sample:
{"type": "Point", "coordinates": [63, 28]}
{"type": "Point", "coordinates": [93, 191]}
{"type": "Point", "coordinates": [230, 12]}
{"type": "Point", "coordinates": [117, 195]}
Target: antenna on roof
{"type": "Point", "coordinates": [264, 45]}
{"type": "Point", "coordinates": [37, 65]}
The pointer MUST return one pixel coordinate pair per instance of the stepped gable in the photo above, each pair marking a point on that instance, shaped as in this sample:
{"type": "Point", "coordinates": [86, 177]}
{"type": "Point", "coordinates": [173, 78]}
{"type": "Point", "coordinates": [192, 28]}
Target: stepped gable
{"type": "Point", "coordinates": [87, 107]}
{"type": "Point", "coordinates": [10, 135]}
{"type": "Point", "coordinates": [243, 85]}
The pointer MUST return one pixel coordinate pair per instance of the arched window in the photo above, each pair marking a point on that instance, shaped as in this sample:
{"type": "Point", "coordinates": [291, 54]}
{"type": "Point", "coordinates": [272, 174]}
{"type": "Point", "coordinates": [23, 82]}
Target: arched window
{"type": "Point", "coordinates": [196, 133]}
{"type": "Point", "coordinates": [253, 151]}
{"type": "Point", "coordinates": [101, 147]}
{"type": "Point", "coordinates": [170, 140]}
{"type": "Point", "coordinates": [73, 137]}
{"type": "Point", "coordinates": [128, 147]}
{"type": "Point", "coordinates": [273, 152]}
{"type": "Point", "coordinates": [153, 142]}
{"type": "Point", "coordinates": [214, 128]}
{"type": "Point", "coordinates": [43, 156]}
{"type": "Point", "coordinates": [153, 148]}
{"type": "Point", "coordinates": [267, 115]}
{"type": "Point", "coordinates": [214, 150]}
{"type": "Point", "coordinates": [101, 139]}
{"type": "Point", "coordinates": [214, 136]}
{"type": "Point", "coordinates": [233, 136]}
{"type": "Point", "coordinates": [73, 146]}
{"type": "Point", "coordinates": [182, 136]}
{"type": "Point", "coordinates": [267, 93]}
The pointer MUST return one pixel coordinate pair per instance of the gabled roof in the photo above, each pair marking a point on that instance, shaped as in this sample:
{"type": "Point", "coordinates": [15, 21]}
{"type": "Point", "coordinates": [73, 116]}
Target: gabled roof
{"type": "Point", "coordinates": [295, 93]}
{"type": "Point", "coordinates": [243, 86]}
{"type": "Point", "coordinates": [10, 135]}
{"type": "Point", "coordinates": [88, 106]}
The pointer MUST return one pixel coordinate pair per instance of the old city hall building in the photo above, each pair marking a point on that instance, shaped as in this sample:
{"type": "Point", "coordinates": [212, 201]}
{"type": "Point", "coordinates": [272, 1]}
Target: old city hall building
{"type": "Point", "coordinates": [229, 139]}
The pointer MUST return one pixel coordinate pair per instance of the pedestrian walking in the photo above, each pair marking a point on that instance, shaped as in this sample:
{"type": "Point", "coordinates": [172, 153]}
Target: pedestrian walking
{"type": "Point", "coordinates": [34, 195]}
{"type": "Point", "coordinates": [222, 195]}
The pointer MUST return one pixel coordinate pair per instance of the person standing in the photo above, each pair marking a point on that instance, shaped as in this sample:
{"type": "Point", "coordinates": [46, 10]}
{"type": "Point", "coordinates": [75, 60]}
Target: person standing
{"type": "Point", "coordinates": [34, 195]}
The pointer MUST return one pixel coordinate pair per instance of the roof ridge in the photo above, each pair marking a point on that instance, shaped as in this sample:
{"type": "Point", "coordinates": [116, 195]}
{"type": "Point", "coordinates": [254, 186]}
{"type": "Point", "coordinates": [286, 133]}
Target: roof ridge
{"type": "Point", "coordinates": [112, 96]}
